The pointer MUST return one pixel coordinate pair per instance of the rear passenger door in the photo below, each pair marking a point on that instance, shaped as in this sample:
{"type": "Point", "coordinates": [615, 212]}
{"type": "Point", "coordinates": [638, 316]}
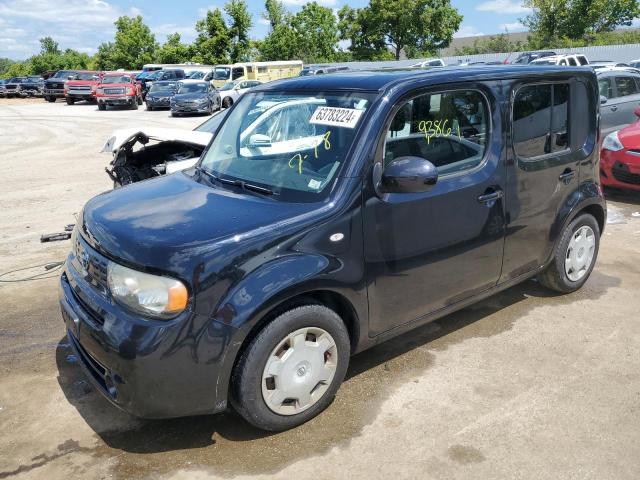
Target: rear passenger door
{"type": "Point", "coordinates": [551, 122]}
{"type": "Point", "coordinates": [628, 96]}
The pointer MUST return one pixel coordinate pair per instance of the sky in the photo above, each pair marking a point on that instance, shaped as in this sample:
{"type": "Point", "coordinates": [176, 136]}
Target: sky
{"type": "Point", "coordinates": [84, 24]}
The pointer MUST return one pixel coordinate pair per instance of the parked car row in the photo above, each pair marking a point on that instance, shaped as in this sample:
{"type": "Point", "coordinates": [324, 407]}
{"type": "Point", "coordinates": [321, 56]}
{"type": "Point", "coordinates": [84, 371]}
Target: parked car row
{"type": "Point", "coordinates": [29, 86]}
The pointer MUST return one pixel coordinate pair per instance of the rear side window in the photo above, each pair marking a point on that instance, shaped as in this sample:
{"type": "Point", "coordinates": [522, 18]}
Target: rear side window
{"type": "Point", "coordinates": [450, 129]}
{"type": "Point", "coordinates": [540, 119]}
{"type": "Point", "coordinates": [572, 62]}
{"type": "Point", "coordinates": [626, 86]}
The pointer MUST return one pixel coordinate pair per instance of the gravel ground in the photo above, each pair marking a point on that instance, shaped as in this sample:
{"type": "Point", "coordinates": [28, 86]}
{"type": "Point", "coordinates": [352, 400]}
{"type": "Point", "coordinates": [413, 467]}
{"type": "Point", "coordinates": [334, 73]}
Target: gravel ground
{"type": "Point", "coordinates": [523, 385]}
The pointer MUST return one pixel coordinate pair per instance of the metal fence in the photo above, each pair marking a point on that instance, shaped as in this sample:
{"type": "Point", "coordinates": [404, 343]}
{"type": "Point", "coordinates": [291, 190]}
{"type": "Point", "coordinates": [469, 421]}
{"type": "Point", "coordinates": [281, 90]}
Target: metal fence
{"type": "Point", "coordinates": [616, 53]}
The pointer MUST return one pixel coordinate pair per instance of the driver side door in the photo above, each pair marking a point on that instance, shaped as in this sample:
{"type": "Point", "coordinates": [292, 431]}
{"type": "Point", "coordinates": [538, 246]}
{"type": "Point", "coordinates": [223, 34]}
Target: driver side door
{"type": "Point", "coordinates": [427, 251]}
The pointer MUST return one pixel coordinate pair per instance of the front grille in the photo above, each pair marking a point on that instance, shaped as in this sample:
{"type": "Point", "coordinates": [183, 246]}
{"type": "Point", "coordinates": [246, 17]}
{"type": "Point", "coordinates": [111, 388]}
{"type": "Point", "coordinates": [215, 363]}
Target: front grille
{"type": "Point", "coordinates": [114, 91]}
{"type": "Point", "coordinates": [95, 266]}
{"type": "Point", "coordinates": [82, 89]}
{"type": "Point", "coordinates": [54, 85]}
{"type": "Point", "coordinates": [622, 174]}
{"type": "Point", "coordinates": [11, 87]}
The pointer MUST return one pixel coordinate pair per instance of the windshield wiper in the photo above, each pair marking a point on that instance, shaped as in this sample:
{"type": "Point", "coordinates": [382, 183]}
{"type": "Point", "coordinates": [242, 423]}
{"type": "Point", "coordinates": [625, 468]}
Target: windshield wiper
{"type": "Point", "coordinates": [238, 183]}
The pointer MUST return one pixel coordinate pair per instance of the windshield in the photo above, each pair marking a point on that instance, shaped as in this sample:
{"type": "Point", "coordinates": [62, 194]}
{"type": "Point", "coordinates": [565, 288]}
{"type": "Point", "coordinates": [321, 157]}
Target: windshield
{"type": "Point", "coordinates": [193, 87]}
{"type": "Point", "coordinates": [17, 79]}
{"type": "Point", "coordinates": [290, 143]}
{"type": "Point", "coordinates": [228, 86]}
{"type": "Point", "coordinates": [196, 75]}
{"type": "Point", "coordinates": [85, 76]}
{"type": "Point", "coordinates": [163, 87]}
{"type": "Point", "coordinates": [116, 79]}
{"type": "Point", "coordinates": [63, 74]}
{"type": "Point", "coordinates": [212, 123]}
{"type": "Point", "coordinates": [221, 73]}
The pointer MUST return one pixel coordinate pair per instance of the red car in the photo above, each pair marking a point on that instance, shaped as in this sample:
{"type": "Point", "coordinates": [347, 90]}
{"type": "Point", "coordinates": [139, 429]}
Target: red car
{"type": "Point", "coordinates": [118, 89]}
{"type": "Point", "coordinates": [620, 157]}
{"type": "Point", "coordinates": [82, 87]}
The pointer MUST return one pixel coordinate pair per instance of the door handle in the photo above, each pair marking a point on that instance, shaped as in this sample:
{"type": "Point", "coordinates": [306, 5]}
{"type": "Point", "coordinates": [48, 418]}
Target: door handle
{"type": "Point", "coordinates": [567, 176]}
{"type": "Point", "coordinates": [490, 198]}
{"type": "Point", "coordinates": [614, 109]}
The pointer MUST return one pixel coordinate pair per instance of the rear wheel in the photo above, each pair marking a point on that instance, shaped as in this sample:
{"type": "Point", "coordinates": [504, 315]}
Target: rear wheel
{"type": "Point", "coordinates": [292, 369]}
{"type": "Point", "coordinates": [574, 257]}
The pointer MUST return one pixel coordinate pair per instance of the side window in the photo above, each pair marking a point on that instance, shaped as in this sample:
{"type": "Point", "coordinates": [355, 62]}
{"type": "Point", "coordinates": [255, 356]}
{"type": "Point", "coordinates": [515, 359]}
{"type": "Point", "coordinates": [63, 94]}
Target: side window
{"type": "Point", "coordinates": [541, 119]}
{"type": "Point", "coordinates": [604, 85]}
{"type": "Point", "coordinates": [562, 62]}
{"type": "Point", "coordinates": [450, 129]}
{"type": "Point", "coordinates": [237, 73]}
{"type": "Point", "coordinates": [262, 69]}
{"type": "Point", "coordinates": [572, 62]}
{"type": "Point", "coordinates": [626, 86]}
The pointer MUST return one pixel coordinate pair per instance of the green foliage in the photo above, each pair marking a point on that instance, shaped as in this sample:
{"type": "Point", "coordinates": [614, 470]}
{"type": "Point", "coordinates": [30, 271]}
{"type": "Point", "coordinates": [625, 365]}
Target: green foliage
{"type": "Point", "coordinates": [554, 22]}
{"type": "Point", "coordinates": [49, 46]}
{"type": "Point", "coordinates": [5, 64]}
{"type": "Point", "coordinates": [494, 44]}
{"type": "Point", "coordinates": [173, 51]}
{"type": "Point", "coordinates": [275, 13]}
{"type": "Point", "coordinates": [134, 45]}
{"type": "Point", "coordinates": [212, 43]}
{"type": "Point", "coordinates": [310, 35]}
{"type": "Point", "coordinates": [401, 25]}
{"type": "Point", "coordinates": [241, 23]}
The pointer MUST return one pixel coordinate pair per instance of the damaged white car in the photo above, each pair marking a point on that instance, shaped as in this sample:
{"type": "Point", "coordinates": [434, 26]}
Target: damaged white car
{"type": "Point", "coordinates": [139, 154]}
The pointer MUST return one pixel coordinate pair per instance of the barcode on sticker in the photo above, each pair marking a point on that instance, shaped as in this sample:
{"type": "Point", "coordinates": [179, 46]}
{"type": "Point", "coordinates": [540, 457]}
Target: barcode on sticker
{"type": "Point", "coordinates": [336, 117]}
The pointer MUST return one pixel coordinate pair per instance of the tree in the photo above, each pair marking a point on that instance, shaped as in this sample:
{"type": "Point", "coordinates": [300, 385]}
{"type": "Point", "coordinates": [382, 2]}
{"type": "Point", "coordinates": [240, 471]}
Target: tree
{"type": "Point", "coordinates": [212, 43]}
{"type": "Point", "coordinates": [173, 50]}
{"type": "Point", "coordinates": [133, 46]}
{"type": "Point", "coordinates": [426, 25]}
{"type": "Point", "coordinates": [356, 27]}
{"type": "Point", "coordinates": [275, 13]}
{"type": "Point", "coordinates": [494, 44]}
{"type": "Point", "coordinates": [554, 20]}
{"type": "Point", "coordinates": [317, 33]}
{"type": "Point", "coordinates": [240, 17]}
{"type": "Point", "coordinates": [310, 35]}
{"type": "Point", "coordinates": [48, 46]}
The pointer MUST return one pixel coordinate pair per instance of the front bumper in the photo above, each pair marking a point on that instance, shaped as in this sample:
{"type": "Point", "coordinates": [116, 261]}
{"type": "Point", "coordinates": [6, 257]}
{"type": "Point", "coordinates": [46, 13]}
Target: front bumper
{"type": "Point", "coordinates": [114, 101]}
{"type": "Point", "coordinates": [159, 102]}
{"type": "Point", "coordinates": [190, 108]}
{"type": "Point", "coordinates": [54, 92]}
{"type": "Point", "coordinates": [620, 169]}
{"type": "Point", "coordinates": [150, 369]}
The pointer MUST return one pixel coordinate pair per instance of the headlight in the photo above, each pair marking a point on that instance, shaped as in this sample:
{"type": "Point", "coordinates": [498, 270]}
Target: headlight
{"type": "Point", "coordinates": [612, 142]}
{"type": "Point", "coordinates": [151, 295]}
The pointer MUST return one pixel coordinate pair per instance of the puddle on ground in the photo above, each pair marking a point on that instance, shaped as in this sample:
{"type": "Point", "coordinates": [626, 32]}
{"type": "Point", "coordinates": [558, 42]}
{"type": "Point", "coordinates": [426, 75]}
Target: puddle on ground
{"type": "Point", "coordinates": [229, 446]}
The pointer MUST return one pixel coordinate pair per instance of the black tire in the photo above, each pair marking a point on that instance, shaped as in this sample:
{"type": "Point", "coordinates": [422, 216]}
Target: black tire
{"type": "Point", "coordinates": [70, 101]}
{"type": "Point", "coordinates": [149, 107]}
{"type": "Point", "coordinates": [140, 101]}
{"type": "Point", "coordinates": [102, 106]}
{"type": "Point", "coordinates": [227, 102]}
{"type": "Point", "coordinates": [555, 277]}
{"type": "Point", "coordinates": [134, 104]}
{"type": "Point", "coordinates": [52, 99]}
{"type": "Point", "coordinates": [246, 382]}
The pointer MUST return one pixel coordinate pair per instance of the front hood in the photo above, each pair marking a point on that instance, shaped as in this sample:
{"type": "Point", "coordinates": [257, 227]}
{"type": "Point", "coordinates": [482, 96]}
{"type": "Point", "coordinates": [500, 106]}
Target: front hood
{"type": "Point", "coordinates": [187, 97]}
{"type": "Point", "coordinates": [174, 223]}
{"type": "Point", "coordinates": [122, 136]}
{"type": "Point", "coordinates": [630, 136]}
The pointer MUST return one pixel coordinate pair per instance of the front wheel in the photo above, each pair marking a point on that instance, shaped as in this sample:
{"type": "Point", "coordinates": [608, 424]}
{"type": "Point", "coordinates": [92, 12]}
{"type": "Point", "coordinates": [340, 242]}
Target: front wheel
{"type": "Point", "coordinates": [70, 101]}
{"type": "Point", "coordinates": [292, 369]}
{"type": "Point", "coordinates": [574, 257]}
{"type": "Point", "coordinates": [102, 106]}
{"type": "Point", "coordinates": [134, 103]}
{"type": "Point", "coordinates": [227, 102]}
{"type": "Point", "coordinates": [149, 107]}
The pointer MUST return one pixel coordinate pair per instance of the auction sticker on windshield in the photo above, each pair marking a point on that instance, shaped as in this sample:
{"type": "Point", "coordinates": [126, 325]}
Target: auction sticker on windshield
{"type": "Point", "coordinates": [336, 117]}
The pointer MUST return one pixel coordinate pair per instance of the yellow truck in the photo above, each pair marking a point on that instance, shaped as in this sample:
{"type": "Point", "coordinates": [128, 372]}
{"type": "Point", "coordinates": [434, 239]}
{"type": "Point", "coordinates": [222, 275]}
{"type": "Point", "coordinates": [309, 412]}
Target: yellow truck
{"type": "Point", "coordinates": [263, 71]}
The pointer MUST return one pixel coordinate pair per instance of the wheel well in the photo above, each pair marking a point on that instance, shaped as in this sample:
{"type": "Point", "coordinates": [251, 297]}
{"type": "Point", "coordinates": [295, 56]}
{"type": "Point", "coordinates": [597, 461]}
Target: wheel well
{"type": "Point", "coordinates": [597, 212]}
{"type": "Point", "coordinates": [327, 298]}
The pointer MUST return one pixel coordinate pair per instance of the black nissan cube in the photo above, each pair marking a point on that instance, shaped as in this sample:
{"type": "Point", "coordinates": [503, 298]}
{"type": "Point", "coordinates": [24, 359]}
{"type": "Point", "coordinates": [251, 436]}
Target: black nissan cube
{"type": "Point", "coordinates": [329, 214]}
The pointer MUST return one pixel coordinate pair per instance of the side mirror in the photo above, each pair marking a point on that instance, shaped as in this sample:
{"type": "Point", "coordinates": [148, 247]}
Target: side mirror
{"type": "Point", "coordinates": [636, 112]}
{"type": "Point", "coordinates": [603, 99]}
{"type": "Point", "coordinates": [408, 175]}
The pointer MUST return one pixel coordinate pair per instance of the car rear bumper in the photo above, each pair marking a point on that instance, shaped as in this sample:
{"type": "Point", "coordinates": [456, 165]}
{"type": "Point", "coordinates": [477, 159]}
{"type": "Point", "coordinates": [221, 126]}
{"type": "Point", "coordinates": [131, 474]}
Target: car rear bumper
{"type": "Point", "coordinates": [150, 369]}
{"type": "Point", "coordinates": [620, 169]}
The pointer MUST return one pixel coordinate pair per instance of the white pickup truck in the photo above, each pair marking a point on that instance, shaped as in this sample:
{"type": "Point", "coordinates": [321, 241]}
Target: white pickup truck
{"type": "Point", "coordinates": [573, 60]}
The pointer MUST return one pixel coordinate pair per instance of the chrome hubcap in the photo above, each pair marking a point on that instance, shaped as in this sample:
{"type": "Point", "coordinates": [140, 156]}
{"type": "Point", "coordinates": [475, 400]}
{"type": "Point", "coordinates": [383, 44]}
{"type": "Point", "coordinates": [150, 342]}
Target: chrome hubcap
{"type": "Point", "coordinates": [299, 371]}
{"type": "Point", "coordinates": [580, 253]}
